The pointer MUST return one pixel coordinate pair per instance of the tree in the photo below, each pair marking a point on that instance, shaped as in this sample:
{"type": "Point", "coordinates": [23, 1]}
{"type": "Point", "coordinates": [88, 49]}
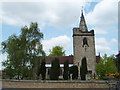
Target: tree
{"type": "Point", "coordinates": [66, 70]}
{"type": "Point", "coordinates": [105, 66]}
{"type": "Point", "coordinates": [55, 69]}
{"type": "Point", "coordinates": [83, 69]}
{"type": "Point", "coordinates": [23, 51]}
{"type": "Point", "coordinates": [43, 69]}
{"type": "Point", "coordinates": [33, 45]}
{"type": "Point", "coordinates": [74, 71]}
{"type": "Point", "coordinates": [13, 62]}
{"type": "Point", "coordinates": [57, 51]}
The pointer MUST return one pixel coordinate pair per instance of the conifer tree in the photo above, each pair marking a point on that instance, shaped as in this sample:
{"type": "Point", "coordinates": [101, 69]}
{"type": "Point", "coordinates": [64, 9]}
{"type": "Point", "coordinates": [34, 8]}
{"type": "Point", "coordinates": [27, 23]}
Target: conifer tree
{"type": "Point", "coordinates": [83, 69]}
{"type": "Point", "coordinates": [43, 70]}
{"type": "Point", "coordinates": [55, 69]}
{"type": "Point", "coordinates": [118, 65]}
{"type": "Point", "coordinates": [66, 70]}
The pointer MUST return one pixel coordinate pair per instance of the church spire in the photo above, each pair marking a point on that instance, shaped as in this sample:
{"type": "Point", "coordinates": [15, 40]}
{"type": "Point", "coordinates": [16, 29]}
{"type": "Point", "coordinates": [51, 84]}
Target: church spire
{"type": "Point", "coordinates": [83, 26]}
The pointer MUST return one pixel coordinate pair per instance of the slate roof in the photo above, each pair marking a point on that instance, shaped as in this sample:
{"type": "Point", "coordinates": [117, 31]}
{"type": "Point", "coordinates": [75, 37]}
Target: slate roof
{"type": "Point", "coordinates": [62, 59]}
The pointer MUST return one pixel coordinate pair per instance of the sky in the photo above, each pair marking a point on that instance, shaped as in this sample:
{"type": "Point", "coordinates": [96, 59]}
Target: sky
{"type": "Point", "coordinates": [57, 18]}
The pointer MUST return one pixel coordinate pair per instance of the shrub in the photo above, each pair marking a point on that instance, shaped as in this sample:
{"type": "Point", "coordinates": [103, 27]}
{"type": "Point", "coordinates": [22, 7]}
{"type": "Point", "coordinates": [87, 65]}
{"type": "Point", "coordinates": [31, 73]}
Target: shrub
{"type": "Point", "coordinates": [74, 71]}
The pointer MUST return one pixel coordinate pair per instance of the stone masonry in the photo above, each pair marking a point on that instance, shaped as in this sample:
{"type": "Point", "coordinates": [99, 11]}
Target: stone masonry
{"type": "Point", "coordinates": [54, 84]}
{"type": "Point", "coordinates": [84, 46]}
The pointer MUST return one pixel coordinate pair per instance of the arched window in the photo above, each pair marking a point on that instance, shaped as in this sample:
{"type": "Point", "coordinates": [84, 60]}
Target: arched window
{"type": "Point", "coordinates": [85, 43]}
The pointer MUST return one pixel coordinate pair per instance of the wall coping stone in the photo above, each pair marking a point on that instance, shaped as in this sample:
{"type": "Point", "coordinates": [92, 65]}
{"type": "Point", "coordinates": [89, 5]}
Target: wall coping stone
{"type": "Point", "coordinates": [56, 81]}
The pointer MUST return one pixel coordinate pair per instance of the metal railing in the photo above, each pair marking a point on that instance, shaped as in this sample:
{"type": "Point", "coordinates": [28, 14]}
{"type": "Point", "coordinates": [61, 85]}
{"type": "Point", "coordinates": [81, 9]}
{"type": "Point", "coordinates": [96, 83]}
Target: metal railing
{"type": "Point", "coordinates": [114, 85]}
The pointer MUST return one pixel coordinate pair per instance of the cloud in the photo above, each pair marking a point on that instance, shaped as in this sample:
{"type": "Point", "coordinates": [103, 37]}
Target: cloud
{"type": "Point", "coordinates": [104, 16]}
{"type": "Point", "coordinates": [58, 14]}
{"type": "Point", "coordinates": [103, 46]}
{"type": "Point", "coordinates": [63, 41]}
{"type": "Point", "coordinates": [61, 14]}
{"type": "Point", "coordinates": [113, 41]}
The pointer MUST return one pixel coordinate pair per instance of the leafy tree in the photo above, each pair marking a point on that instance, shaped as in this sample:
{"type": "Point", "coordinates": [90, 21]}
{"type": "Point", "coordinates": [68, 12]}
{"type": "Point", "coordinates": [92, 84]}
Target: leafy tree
{"type": "Point", "coordinates": [83, 69]}
{"type": "Point", "coordinates": [8, 73]}
{"type": "Point", "coordinates": [66, 70]}
{"type": "Point", "coordinates": [13, 62]}
{"type": "Point", "coordinates": [74, 71]}
{"type": "Point", "coordinates": [34, 46]}
{"type": "Point", "coordinates": [105, 66]}
{"type": "Point", "coordinates": [55, 69]}
{"type": "Point", "coordinates": [57, 51]}
{"type": "Point", "coordinates": [23, 51]}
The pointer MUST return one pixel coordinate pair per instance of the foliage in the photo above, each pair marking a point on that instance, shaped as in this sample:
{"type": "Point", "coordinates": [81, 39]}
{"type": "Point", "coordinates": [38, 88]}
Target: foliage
{"type": "Point", "coordinates": [118, 65]}
{"type": "Point", "coordinates": [83, 69]}
{"type": "Point", "coordinates": [55, 69]}
{"type": "Point", "coordinates": [105, 66]}
{"type": "Point", "coordinates": [66, 70]}
{"type": "Point", "coordinates": [74, 71]}
{"type": "Point", "coordinates": [12, 65]}
{"type": "Point", "coordinates": [22, 52]}
{"type": "Point", "coordinates": [57, 51]}
{"type": "Point", "coordinates": [43, 69]}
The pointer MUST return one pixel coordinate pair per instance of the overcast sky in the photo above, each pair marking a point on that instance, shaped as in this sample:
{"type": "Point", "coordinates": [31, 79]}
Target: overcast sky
{"type": "Point", "coordinates": [56, 19]}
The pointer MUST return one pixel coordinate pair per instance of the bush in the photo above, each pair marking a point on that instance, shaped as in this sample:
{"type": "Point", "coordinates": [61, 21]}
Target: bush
{"type": "Point", "coordinates": [74, 71]}
{"type": "Point", "coordinates": [105, 66]}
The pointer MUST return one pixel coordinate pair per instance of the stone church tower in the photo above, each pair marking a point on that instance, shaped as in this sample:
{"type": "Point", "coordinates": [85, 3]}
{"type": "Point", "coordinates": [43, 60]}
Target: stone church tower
{"type": "Point", "coordinates": [84, 46]}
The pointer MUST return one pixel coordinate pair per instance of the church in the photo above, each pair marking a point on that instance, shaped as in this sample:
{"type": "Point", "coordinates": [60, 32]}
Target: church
{"type": "Point", "coordinates": [83, 47]}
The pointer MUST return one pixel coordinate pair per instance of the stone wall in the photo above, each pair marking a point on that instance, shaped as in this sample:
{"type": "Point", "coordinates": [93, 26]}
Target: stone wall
{"type": "Point", "coordinates": [53, 84]}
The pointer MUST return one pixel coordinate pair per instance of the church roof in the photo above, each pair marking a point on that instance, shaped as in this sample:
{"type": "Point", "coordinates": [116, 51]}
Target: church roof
{"type": "Point", "coordinates": [62, 59]}
{"type": "Point", "coordinates": [83, 26]}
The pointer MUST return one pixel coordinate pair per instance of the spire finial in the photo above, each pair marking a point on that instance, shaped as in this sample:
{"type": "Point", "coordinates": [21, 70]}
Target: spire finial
{"type": "Point", "coordinates": [82, 9]}
{"type": "Point", "coordinates": [83, 26]}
